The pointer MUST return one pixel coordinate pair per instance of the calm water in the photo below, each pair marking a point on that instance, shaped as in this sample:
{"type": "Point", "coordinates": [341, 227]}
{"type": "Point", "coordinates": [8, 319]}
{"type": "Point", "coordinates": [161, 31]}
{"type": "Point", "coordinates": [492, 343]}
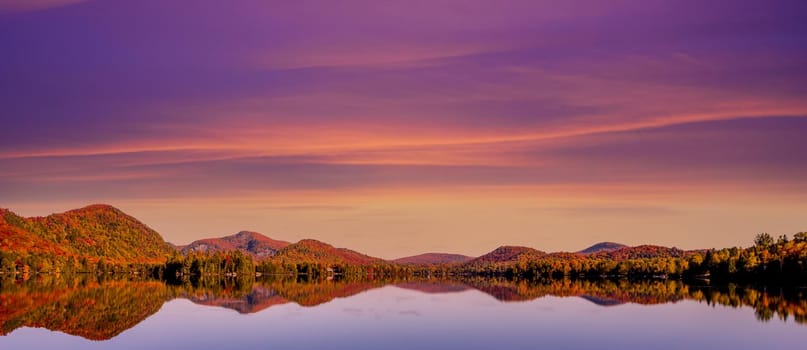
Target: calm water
{"type": "Point", "coordinates": [470, 314]}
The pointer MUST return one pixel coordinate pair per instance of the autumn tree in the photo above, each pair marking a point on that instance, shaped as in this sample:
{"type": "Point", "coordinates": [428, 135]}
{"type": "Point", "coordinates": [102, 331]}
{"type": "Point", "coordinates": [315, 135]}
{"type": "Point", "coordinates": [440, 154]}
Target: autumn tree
{"type": "Point", "coordinates": [763, 240]}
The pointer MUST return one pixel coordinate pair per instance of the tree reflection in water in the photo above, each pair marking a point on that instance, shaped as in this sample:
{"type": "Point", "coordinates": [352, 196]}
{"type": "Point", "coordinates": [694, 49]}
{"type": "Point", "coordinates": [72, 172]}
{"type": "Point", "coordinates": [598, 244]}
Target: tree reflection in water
{"type": "Point", "coordinates": [100, 308]}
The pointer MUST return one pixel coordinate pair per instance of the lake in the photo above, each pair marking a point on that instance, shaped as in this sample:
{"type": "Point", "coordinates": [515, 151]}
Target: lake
{"type": "Point", "coordinates": [83, 312]}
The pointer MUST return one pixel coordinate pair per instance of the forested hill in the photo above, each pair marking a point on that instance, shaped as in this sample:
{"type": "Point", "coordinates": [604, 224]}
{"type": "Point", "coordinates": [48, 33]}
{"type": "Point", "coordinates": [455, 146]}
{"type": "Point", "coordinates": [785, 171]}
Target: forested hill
{"type": "Point", "coordinates": [507, 254]}
{"type": "Point", "coordinates": [602, 247]}
{"type": "Point", "coordinates": [253, 243]}
{"type": "Point", "coordinates": [101, 238]}
{"type": "Point", "coordinates": [87, 234]}
{"type": "Point", "coordinates": [433, 259]}
{"type": "Point", "coordinates": [310, 250]}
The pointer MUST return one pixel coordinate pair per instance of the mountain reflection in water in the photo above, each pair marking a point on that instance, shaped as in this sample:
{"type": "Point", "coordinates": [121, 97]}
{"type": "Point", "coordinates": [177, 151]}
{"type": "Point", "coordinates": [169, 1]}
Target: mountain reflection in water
{"type": "Point", "coordinates": [102, 308]}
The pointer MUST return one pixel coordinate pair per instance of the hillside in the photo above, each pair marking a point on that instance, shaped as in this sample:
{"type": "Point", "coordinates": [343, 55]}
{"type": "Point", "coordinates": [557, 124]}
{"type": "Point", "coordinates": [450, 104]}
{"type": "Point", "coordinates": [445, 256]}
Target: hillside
{"type": "Point", "coordinates": [252, 243]}
{"type": "Point", "coordinates": [310, 250]}
{"type": "Point", "coordinates": [602, 247]}
{"type": "Point", "coordinates": [433, 259]}
{"type": "Point", "coordinates": [15, 239]}
{"type": "Point", "coordinates": [507, 254]}
{"type": "Point", "coordinates": [92, 232]}
{"type": "Point", "coordinates": [639, 252]}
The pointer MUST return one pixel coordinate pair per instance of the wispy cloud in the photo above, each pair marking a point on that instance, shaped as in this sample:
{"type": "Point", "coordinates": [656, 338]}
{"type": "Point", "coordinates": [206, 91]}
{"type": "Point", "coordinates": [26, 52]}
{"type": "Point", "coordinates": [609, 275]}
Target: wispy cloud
{"type": "Point", "coordinates": [313, 113]}
{"type": "Point", "coordinates": [33, 5]}
{"type": "Point", "coordinates": [609, 211]}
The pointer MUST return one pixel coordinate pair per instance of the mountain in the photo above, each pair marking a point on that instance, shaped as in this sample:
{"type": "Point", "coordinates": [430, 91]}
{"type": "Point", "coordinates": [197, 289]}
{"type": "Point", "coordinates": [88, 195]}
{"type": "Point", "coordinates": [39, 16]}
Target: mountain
{"type": "Point", "coordinates": [311, 250]}
{"type": "Point", "coordinates": [253, 243]}
{"type": "Point", "coordinates": [433, 259]}
{"type": "Point", "coordinates": [88, 234]}
{"type": "Point", "coordinates": [507, 254]}
{"type": "Point", "coordinates": [93, 232]}
{"type": "Point", "coordinates": [640, 252]}
{"type": "Point", "coordinates": [602, 247]}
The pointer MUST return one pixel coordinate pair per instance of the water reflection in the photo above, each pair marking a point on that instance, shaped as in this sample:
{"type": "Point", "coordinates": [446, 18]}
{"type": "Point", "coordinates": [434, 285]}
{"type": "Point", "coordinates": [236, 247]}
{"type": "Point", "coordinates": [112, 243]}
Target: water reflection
{"type": "Point", "coordinates": [102, 308]}
{"type": "Point", "coordinates": [82, 306]}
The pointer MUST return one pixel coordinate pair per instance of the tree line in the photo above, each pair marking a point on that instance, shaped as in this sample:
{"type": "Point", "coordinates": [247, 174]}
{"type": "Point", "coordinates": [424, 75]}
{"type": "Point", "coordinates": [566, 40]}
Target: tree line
{"type": "Point", "coordinates": [780, 260]}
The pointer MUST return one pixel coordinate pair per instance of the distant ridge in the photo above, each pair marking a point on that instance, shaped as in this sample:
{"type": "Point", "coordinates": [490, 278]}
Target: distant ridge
{"type": "Point", "coordinates": [507, 254]}
{"type": "Point", "coordinates": [103, 232]}
{"type": "Point", "coordinates": [640, 252]}
{"type": "Point", "coordinates": [252, 243]}
{"type": "Point", "coordinates": [311, 250]}
{"type": "Point", "coordinates": [602, 247]}
{"type": "Point", "coordinates": [433, 258]}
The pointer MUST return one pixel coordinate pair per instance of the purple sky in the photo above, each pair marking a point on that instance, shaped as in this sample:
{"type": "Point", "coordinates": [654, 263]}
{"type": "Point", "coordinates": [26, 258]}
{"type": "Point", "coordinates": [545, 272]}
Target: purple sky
{"type": "Point", "coordinates": [390, 126]}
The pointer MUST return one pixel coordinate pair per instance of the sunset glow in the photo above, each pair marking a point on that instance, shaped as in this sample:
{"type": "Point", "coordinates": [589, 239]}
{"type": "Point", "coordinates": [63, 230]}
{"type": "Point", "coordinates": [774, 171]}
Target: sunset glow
{"type": "Point", "coordinates": [415, 126]}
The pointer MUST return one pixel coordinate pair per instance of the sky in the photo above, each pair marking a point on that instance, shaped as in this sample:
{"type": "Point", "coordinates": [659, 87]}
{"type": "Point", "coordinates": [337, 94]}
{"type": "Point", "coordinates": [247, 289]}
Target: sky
{"type": "Point", "coordinates": [397, 128]}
